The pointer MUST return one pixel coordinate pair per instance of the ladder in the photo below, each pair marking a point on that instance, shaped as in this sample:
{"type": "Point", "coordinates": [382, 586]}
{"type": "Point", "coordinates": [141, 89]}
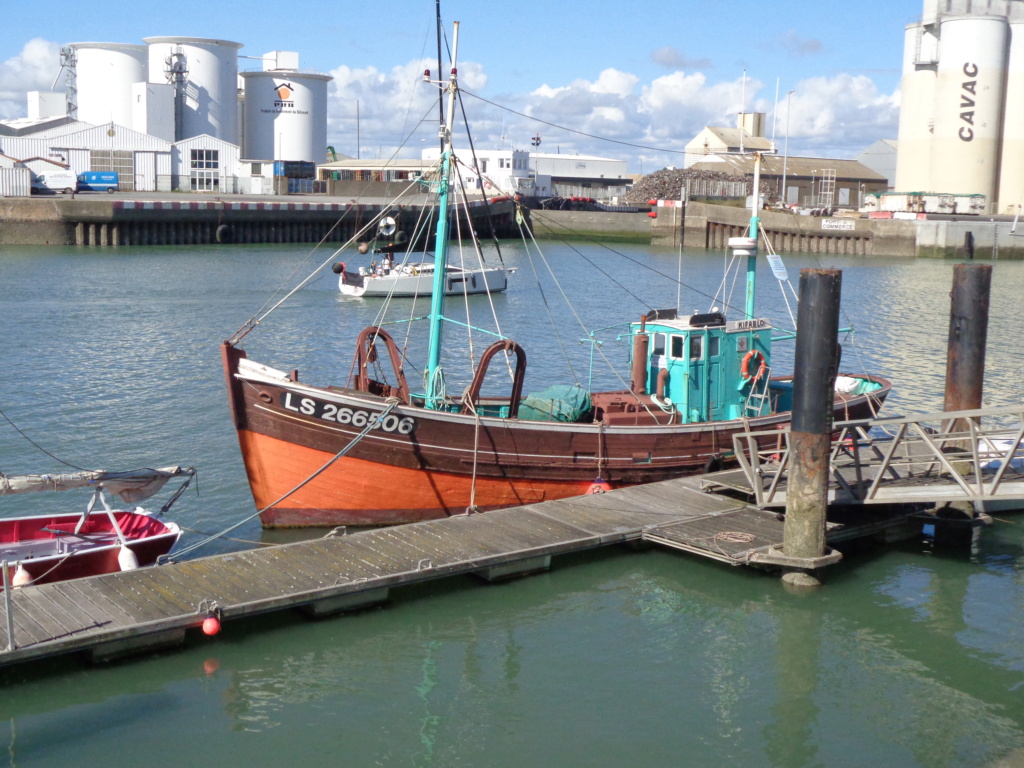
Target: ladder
{"type": "Point", "coordinates": [757, 397]}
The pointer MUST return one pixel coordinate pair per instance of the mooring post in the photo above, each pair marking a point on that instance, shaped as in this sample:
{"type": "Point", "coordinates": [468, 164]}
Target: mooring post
{"type": "Point", "coordinates": [968, 334]}
{"type": "Point", "coordinates": [965, 349]}
{"type": "Point", "coordinates": [9, 607]}
{"type": "Point", "coordinates": [810, 438]}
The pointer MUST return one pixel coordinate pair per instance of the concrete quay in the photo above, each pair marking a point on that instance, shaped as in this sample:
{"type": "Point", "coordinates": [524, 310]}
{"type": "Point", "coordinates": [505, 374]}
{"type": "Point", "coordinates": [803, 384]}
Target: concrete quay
{"type": "Point", "coordinates": [198, 219]}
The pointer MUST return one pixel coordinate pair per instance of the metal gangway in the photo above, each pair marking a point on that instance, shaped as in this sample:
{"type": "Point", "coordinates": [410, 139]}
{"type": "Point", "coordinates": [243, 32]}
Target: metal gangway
{"type": "Point", "coordinates": [951, 456]}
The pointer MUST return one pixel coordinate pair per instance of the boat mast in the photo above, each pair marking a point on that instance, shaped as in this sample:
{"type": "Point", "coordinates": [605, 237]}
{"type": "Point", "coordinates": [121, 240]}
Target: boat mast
{"type": "Point", "coordinates": [754, 222]}
{"type": "Point", "coordinates": [434, 382]}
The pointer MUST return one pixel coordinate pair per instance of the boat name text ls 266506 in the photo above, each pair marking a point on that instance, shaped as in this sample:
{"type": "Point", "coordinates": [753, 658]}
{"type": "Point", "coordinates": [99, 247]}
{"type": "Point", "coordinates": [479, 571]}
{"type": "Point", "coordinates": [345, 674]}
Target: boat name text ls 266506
{"type": "Point", "coordinates": [321, 409]}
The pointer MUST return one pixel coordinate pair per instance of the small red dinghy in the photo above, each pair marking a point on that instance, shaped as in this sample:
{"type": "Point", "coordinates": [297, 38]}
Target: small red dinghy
{"type": "Point", "coordinates": [55, 547]}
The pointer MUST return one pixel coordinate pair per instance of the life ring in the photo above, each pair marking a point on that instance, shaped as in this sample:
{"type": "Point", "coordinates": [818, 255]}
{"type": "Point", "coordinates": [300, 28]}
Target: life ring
{"type": "Point", "coordinates": [760, 366]}
{"type": "Point", "coordinates": [487, 185]}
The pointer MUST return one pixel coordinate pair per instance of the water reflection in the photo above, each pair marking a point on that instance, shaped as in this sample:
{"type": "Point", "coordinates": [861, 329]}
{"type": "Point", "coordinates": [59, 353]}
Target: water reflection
{"type": "Point", "coordinates": [908, 656]}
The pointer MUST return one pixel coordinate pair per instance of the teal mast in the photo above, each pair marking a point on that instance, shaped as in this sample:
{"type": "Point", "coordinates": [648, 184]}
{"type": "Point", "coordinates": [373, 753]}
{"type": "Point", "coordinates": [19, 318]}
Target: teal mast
{"type": "Point", "coordinates": [754, 222]}
{"type": "Point", "coordinates": [433, 373]}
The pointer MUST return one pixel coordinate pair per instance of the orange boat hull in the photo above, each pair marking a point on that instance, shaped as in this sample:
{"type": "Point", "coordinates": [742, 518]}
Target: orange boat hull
{"type": "Point", "coordinates": [361, 492]}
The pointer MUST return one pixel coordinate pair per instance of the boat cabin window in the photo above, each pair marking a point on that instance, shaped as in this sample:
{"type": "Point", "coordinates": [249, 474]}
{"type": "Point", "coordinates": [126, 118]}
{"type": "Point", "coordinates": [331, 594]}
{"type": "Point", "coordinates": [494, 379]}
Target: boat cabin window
{"type": "Point", "coordinates": [659, 344]}
{"type": "Point", "coordinates": [713, 349]}
{"type": "Point", "coordinates": [696, 347]}
{"type": "Point", "coordinates": [678, 343]}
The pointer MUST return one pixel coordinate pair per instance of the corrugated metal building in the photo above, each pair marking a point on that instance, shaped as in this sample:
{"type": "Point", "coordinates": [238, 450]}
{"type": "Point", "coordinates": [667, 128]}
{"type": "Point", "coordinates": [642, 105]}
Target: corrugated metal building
{"type": "Point", "coordinates": [809, 181]}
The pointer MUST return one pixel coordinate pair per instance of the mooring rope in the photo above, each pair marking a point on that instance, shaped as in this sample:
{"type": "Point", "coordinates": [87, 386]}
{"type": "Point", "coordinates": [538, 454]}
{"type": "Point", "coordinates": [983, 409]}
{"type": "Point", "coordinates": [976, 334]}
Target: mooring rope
{"type": "Point", "coordinates": [393, 402]}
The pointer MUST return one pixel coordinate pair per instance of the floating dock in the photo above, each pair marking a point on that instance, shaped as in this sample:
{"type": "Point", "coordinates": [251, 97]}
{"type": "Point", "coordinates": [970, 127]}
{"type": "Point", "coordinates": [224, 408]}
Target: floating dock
{"type": "Point", "coordinates": [118, 614]}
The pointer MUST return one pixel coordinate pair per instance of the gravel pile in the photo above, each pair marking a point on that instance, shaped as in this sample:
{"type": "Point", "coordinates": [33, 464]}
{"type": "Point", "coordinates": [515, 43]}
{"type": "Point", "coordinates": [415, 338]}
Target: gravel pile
{"type": "Point", "coordinates": [666, 184]}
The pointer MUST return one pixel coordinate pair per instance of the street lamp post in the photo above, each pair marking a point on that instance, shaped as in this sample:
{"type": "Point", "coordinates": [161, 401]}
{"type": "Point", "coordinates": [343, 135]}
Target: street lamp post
{"type": "Point", "coordinates": [785, 153]}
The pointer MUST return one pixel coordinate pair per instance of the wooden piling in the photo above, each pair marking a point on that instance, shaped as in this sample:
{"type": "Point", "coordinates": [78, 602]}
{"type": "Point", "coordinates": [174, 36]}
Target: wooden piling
{"type": "Point", "coordinates": [816, 364]}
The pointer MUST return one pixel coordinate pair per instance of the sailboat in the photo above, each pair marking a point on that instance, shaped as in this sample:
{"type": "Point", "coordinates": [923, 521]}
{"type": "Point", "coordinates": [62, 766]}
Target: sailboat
{"type": "Point", "coordinates": [40, 549]}
{"type": "Point", "coordinates": [377, 451]}
{"type": "Point", "coordinates": [410, 277]}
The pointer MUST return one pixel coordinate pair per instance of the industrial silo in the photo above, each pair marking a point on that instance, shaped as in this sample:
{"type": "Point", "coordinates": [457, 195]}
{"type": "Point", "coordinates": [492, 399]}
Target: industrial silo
{"type": "Point", "coordinates": [913, 158]}
{"type": "Point", "coordinates": [285, 115]}
{"type": "Point", "coordinates": [103, 77]}
{"type": "Point", "coordinates": [204, 74]}
{"type": "Point", "coordinates": [968, 108]}
{"type": "Point", "coordinates": [1011, 166]}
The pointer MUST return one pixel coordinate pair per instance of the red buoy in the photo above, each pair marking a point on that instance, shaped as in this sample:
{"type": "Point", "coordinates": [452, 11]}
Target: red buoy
{"type": "Point", "coordinates": [652, 214]}
{"type": "Point", "coordinates": [211, 625]}
{"type": "Point", "coordinates": [598, 486]}
{"type": "Point", "coordinates": [652, 202]}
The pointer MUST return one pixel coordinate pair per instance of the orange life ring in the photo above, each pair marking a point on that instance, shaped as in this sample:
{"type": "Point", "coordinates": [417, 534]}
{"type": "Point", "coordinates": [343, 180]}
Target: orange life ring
{"type": "Point", "coordinates": [487, 185]}
{"type": "Point", "coordinates": [761, 364]}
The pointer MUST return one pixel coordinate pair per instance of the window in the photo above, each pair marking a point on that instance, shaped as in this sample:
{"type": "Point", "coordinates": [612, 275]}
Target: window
{"type": "Point", "coordinates": [696, 348]}
{"type": "Point", "coordinates": [659, 344]}
{"type": "Point", "coordinates": [257, 169]}
{"type": "Point", "coordinates": [204, 175]}
{"type": "Point", "coordinates": [678, 343]}
{"type": "Point", "coordinates": [713, 350]}
{"type": "Point", "coordinates": [205, 158]}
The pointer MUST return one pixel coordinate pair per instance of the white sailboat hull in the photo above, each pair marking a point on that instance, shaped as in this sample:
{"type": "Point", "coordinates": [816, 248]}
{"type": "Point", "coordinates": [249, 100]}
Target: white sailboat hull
{"type": "Point", "coordinates": [418, 279]}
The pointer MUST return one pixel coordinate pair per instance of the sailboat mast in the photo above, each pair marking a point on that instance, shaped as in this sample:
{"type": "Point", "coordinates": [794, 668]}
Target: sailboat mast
{"type": "Point", "coordinates": [434, 382]}
{"type": "Point", "coordinates": [754, 223]}
{"type": "Point", "coordinates": [440, 104]}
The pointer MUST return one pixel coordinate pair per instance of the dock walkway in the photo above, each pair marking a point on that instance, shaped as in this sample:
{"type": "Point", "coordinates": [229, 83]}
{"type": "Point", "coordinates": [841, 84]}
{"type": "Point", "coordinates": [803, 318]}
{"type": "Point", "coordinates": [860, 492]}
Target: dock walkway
{"type": "Point", "coordinates": [115, 614]}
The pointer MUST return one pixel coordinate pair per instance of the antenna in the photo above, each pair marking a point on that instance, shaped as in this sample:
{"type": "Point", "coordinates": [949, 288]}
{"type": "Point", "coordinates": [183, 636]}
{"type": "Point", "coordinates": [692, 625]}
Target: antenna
{"type": "Point", "coordinates": [743, 107]}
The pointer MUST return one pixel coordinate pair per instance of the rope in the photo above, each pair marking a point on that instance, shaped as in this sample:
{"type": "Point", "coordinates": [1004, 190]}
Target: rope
{"type": "Point", "coordinates": [392, 404]}
{"type": "Point", "coordinates": [476, 450]}
{"type": "Point", "coordinates": [37, 445]}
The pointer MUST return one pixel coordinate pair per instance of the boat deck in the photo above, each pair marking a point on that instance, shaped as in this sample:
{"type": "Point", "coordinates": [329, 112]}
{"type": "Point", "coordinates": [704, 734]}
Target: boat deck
{"type": "Point", "coordinates": [126, 612]}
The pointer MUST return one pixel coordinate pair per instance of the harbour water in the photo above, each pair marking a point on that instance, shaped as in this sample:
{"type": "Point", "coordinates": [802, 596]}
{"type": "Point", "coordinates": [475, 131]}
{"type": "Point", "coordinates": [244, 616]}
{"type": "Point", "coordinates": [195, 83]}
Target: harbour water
{"type": "Point", "coordinates": [910, 656]}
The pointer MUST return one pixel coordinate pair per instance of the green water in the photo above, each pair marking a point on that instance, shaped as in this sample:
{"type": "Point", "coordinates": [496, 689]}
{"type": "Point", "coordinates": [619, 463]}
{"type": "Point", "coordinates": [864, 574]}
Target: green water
{"type": "Point", "coordinates": [909, 656]}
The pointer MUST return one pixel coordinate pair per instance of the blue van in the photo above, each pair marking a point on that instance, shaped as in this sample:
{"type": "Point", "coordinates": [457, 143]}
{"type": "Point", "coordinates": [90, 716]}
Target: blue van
{"type": "Point", "coordinates": [98, 181]}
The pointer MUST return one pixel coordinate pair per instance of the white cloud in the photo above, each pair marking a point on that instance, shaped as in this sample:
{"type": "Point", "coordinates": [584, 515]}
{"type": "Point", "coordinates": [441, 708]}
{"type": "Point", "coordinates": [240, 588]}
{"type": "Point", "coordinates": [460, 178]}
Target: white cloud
{"type": "Point", "coordinates": [33, 69]}
{"type": "Point", "coordinates": [839, 115]}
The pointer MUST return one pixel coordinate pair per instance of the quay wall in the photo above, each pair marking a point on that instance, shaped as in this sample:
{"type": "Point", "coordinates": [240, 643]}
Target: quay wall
{"type": "Point", "coordinates": [703, 225]}
{"type": "Point", "coordinates": [106, 222]}
{"type": "Point", "coordinates": [604, 224]}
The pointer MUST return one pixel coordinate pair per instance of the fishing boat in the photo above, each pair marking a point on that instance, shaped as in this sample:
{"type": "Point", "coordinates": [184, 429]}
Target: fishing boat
{"type": "Point", "coordinates": [39, 549]}
{"type": "Point", "coordinates": [393, 278]}
{"type": "Point", "coordinates": [375, 450]}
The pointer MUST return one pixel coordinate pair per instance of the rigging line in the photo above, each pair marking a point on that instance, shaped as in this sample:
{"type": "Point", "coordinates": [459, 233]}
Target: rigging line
{"type": "Point", "coordinates": [37, 445]}
{"type": "Point", "coordinates": [600, 350]}
{"type": "Point", "coordinates": [260, 314]}
{"type": "Point", "coordinates": [574, 130]}
{"type": "Point", "coordinates": [370, 424]}
{"type": "Point", "coordinates": [476, 164]}
{"type": "Point", "coordinates": [462, 263]}
{"type": "Point", "coordinates": [551, 223]}
{"type": "Point", "coordinates": [258, 317]}
{"type": "Point", "coordinates": [544, 298]}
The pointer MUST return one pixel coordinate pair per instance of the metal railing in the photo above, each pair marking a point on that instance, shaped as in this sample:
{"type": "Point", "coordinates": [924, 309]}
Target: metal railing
{"type": "Point", "coordinates": [946, 456]}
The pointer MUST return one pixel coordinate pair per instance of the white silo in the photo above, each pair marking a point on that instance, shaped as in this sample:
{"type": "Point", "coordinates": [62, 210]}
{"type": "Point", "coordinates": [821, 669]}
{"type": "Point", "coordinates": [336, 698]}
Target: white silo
{"type": "Point", "coordinates": [969, 104]}
{"type": "Point", "coordinates": [104, 75]}
{"type": "Point", "coordinates": [1011, 163]}
{"type": "Point", "coordinates": [917, 97]}
{"type": "Point", "coordinates": [206, 71]}
{"type": "Point", "coordinates": [285, 115]}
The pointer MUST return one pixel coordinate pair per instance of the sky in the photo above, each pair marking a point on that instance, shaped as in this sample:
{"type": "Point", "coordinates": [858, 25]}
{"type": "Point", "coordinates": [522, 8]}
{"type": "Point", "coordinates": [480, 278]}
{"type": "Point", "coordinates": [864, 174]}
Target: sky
{"type": "Point", "coordinates": [627, 80]}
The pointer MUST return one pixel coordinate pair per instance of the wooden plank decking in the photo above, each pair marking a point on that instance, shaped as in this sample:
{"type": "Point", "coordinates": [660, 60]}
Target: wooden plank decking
{"type": "Point", "coordinates": [116, 613]}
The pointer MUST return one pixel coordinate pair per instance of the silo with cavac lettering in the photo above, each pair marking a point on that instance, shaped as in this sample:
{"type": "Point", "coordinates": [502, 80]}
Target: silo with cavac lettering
{"type": "Point", "coordinates": [1011, 168]}
{"type": "Point", "coordinates": [968, 108]}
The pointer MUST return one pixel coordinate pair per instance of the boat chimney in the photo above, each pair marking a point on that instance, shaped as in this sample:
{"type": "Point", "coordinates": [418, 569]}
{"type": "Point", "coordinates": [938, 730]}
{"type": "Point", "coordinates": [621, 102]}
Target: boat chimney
{"type": "Point", "coordinates": [641, 345]}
